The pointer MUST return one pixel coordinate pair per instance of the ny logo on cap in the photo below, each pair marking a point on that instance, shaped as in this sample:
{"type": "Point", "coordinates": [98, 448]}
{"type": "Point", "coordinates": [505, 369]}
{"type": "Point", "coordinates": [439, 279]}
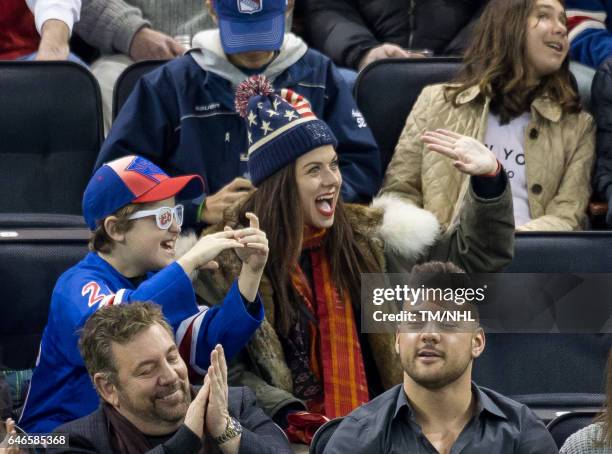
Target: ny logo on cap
{"type": "Point", "coordinates": [250, 6]}
{"type": "Point", "coordinates": [146, 168]}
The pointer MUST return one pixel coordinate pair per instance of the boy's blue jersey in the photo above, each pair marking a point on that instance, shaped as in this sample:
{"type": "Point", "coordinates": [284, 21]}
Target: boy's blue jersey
{"type": "Point", "coordinates": [61, 389]}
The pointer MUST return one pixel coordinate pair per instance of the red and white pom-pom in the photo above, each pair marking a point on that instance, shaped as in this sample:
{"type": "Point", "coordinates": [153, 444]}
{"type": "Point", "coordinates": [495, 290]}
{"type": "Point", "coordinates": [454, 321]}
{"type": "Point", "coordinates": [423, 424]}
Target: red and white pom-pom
{"type": "Point", "coordinates": [253, 86]}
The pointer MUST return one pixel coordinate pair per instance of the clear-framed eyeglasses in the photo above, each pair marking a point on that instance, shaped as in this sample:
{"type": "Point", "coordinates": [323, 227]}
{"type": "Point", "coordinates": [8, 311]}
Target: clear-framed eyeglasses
{"type": "Point", "coordinates": [163, 216]}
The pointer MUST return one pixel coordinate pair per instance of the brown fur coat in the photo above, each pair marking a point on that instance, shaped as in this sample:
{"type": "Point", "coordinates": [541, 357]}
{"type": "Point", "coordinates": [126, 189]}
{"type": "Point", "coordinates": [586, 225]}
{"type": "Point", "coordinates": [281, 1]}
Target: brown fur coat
{"type": "Point", "coordinates": [396, 235]}
{"type": "Point", "coordinates": [265, 348]}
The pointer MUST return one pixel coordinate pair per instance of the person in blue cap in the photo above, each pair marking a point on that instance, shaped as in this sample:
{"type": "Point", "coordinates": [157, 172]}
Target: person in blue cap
{"type": "Point", "coordinates": [182, 116]}
{"type": "Point", "coordinates": [129, 204]}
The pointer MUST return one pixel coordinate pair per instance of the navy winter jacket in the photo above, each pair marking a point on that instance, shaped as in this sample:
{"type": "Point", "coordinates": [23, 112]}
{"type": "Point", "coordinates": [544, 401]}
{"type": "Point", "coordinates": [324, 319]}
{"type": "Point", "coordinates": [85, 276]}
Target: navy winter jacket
{"type": "Point", "coordinates": [183, 118]}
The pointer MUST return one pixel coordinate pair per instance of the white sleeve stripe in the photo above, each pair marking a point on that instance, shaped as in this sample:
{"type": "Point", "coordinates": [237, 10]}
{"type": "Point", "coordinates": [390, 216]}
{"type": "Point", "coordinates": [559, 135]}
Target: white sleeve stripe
{"type": "Point", "coordinates": [601, 17]}
{"type": "Point", "coordinates": [180, 332]}
{"type": "Point", "coordinates": [182, 329]}
{"type": "Point", "coordinates": [108, 300]}
{"type": "Point", "coordinates": [195, 321]}
{"type": "Point", "coordinates": [195, 330]}
{"type": "Point", "coordinates": [582, 26]}
{"type": "Point", "coordinates": [119, 296]}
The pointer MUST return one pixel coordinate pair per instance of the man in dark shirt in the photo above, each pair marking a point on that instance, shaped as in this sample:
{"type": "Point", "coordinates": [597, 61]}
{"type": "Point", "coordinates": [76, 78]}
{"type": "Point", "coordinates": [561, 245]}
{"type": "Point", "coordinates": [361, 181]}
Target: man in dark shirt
{"type": "Point", "coordinates": [147, 404]}
{"type": "Point", "coordinates": [438, 409]}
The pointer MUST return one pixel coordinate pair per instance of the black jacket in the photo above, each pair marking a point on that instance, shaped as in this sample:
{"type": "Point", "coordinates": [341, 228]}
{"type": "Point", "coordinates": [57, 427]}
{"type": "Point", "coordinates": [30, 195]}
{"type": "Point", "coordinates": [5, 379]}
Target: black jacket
{"type": "Point", "coordinates": [601, 100]}
{"type": "Point", "coordinates": [259, 436]}
{"type": "Point", "coordinates": [345, 29]}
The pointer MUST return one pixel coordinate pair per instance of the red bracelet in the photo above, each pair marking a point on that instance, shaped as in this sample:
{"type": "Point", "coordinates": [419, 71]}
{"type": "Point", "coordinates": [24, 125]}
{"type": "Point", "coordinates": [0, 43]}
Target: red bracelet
{"type": "Point", "coordinates": [493, 174]}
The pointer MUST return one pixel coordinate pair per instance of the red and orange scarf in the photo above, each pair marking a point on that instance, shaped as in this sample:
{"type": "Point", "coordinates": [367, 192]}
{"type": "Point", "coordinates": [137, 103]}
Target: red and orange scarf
{"type": "Point", "coordinates": [335, 351]}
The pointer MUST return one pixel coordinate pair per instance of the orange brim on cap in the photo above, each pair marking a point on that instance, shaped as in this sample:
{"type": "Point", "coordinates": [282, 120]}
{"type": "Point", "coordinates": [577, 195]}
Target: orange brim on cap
{"type": "Point", "coordinates": [189, 186]}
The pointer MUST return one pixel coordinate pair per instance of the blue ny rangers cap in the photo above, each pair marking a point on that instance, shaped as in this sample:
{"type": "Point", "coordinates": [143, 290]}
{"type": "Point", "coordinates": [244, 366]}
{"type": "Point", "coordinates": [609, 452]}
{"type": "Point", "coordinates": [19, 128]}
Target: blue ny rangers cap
{"type": "Point", "coordinates": [132, 179]}
{"type": "Point", "coordinates": [251, 25]}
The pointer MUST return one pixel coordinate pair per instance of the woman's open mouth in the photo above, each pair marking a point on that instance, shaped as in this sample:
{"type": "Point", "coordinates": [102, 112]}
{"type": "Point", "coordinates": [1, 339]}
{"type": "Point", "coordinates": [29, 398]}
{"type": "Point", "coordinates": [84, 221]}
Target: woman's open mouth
{"type": "Point", "coordinates": [325, 204]}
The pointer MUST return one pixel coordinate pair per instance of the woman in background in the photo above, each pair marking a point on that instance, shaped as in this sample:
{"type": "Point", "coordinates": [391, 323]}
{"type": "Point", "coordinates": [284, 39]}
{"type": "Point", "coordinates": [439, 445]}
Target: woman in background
{"type": "Point", "coordinates": [515, 94]}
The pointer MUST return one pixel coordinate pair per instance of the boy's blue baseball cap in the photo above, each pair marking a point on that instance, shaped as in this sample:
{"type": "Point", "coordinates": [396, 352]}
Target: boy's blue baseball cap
{"type": "Point", "coordinates": [133, 179]}
{"type": "Point", "coordinates": [251, 25]}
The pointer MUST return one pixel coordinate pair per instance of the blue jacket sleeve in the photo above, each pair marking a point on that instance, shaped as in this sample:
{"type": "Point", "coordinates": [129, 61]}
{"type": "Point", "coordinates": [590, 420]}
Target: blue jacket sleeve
{"type": "Point", "coordinates": [229, 324]}
{"type": "Point", "coordinates": [590, 39]}
{"type": "Point", "coordinates": [75, 299]}
{"type": "Point", "coordinates": [357, 149]}
{"type": "Point", "coordinates": [591, 47]}
{"type": "Point", "coordinates": [259, 435]}
{"type": "Point", "coordinates": [170, 288]}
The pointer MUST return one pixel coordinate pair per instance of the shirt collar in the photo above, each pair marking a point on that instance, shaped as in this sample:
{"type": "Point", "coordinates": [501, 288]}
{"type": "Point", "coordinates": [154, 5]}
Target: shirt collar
{"type": "Point", "coordinates": [483, 403]}
{"type": "Point", "coordinates": [543, 105]}
{"type": "Point", "coordinates": [401, 402]}
{"type": "Point", "coordinates": [468, 95]}
{"type": "Point", "coordinates": [548, 108]}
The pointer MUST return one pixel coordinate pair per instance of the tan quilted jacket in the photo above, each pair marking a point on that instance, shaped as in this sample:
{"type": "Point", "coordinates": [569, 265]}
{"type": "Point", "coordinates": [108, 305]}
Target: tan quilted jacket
{"type": "Point", "coordinates": [559, 155]}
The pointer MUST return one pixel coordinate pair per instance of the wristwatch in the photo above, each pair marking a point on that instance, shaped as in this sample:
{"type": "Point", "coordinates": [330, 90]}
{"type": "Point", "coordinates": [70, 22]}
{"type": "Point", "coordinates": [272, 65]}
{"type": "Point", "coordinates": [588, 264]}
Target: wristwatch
{"type": "Point", "coordinates": [232, 430]}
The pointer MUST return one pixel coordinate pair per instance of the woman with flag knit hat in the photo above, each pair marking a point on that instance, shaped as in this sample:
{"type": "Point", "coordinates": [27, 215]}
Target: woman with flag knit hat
{"type": "Point", "coordinates": [309, 353]}
{"type": "Point", "coordinates": [129, 204]}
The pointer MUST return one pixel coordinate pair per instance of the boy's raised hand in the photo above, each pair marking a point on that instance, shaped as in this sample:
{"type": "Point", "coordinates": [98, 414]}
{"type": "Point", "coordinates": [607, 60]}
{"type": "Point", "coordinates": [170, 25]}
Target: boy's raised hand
{"type": "Point", "coordinates": [202, 254]}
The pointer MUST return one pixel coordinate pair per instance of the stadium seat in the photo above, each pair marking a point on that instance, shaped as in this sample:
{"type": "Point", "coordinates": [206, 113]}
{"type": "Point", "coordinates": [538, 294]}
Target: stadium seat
{"type": "Point", "coordinates": [386, 90]}
{"type": "Point", "coordinates": [551, 372]}
{"type": "Point", "coordinates": [562, 252]}
{"type": "Point", "coordinates": [564, 425]}
{"type": "Point", "coordinates": [39, 221]}
{"type": "Point", "coordinates": [127, 81]}
{"type": "Point", "coordinates": [51, 129]}
{"type": "Point", "coordinates": [548, 372]}
{"type": "Point", "coordinates": [323, 435]}
{"type": "Point", "coordinates": [31, 260]}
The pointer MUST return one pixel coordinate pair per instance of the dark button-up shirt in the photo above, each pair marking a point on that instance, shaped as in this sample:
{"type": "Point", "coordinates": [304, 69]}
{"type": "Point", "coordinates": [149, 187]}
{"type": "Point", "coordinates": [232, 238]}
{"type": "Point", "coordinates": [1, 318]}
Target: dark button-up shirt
{"type": "Point", "coordinates": [386, 424]}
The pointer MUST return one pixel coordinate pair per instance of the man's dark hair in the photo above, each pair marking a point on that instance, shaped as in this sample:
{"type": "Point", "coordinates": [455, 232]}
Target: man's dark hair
{"type": "Point", "coordinates": [443, 276]}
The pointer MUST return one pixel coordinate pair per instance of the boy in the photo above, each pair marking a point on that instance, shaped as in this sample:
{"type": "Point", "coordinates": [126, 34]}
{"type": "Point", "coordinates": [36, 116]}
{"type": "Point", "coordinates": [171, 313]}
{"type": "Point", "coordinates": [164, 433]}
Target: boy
{"type": "Point", "coordinates": [129, 205]}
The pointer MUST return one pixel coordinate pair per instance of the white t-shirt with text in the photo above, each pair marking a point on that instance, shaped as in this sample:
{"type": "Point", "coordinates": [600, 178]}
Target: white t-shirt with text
{"type": "Point", "coordinates": [507, 143]}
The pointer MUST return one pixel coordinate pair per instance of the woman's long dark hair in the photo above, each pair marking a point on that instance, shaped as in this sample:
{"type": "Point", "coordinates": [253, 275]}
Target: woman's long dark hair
{"type": "Point", "coordinates": [495, 61]}
{"type": "Point", "coordinates": [277, 205]}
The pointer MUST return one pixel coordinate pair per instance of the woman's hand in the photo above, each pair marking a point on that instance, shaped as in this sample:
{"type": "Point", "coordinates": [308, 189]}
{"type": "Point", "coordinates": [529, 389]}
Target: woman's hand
{"type": "Point", "coordinates": [469, 155]}
{"type": "Point", "coordinates": [254, 254]}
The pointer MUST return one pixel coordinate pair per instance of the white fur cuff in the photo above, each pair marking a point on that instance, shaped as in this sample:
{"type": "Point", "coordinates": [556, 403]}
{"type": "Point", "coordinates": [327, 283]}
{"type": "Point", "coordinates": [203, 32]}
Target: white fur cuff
{"type": "Point", "coordinates": [406, 229]}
